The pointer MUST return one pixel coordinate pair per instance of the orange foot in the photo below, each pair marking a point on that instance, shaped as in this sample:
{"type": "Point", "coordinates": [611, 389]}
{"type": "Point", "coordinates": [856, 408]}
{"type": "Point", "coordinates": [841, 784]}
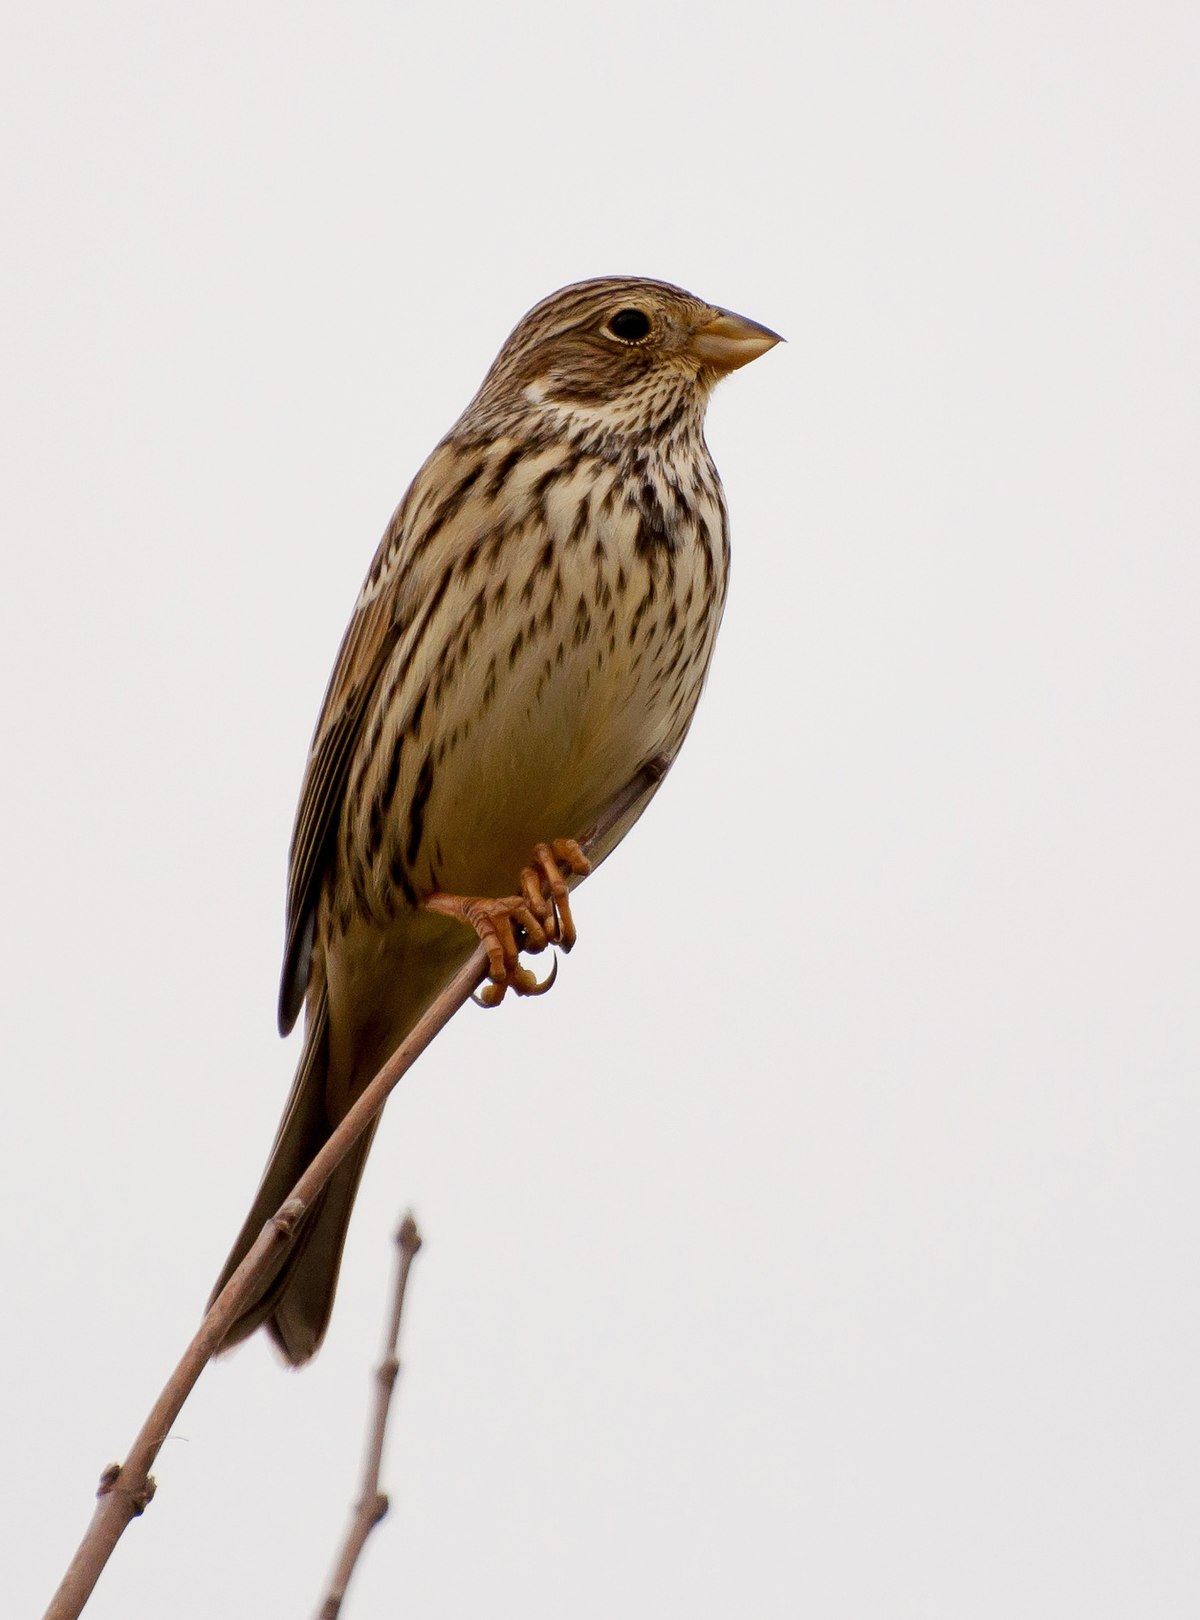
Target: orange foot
{"type": "Point", "coordinates": [539, 916]}
{"type": "Point", "coordinates": [545, 888]}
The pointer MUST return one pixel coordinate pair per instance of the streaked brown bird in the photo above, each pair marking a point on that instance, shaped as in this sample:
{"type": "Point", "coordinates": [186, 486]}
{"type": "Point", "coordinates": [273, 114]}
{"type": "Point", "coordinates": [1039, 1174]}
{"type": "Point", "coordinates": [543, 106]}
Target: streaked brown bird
{"type": "Point", "coordinates": [534, 630]}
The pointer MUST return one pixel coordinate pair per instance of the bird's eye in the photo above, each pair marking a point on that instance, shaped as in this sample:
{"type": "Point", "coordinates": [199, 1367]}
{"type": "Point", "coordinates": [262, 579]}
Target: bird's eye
{"type": "Point", "coordinates": [630, 325]}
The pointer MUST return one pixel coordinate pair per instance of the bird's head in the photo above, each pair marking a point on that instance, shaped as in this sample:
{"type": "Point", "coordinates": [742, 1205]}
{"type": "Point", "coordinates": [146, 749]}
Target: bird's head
{"type": "Point", "coordinates": [618, 354]}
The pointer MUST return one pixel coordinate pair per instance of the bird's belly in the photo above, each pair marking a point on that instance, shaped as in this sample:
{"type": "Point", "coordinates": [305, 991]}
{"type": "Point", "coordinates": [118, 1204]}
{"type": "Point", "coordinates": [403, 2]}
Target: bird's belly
{"type": "Point", "coordinates": [541, 763]}
{"type": "Point", "coordinates": [606, 679]}
{"type": "Point", "coordinates": [558, 747]}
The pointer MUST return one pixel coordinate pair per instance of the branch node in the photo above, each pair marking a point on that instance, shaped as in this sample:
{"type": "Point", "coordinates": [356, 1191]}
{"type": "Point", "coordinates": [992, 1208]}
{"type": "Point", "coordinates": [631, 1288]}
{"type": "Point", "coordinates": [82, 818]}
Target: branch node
{"type": "Point", "coordinates": [139, 1500]}
{"type": "Point", "coordinates": [407, 1236]}
{"type": "Point", "coordinates": [287, 1218]}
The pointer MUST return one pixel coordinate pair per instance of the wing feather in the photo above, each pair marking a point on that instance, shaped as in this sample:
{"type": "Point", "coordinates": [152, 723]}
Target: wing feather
{"type": "Point", "coordinates": [366, 648]}
{"type": "Point", "coordinates": [450, 502]}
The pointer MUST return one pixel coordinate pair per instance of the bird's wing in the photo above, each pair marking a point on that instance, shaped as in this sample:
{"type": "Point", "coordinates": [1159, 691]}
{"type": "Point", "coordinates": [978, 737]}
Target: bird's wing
{"type": "Point", "coordinates": [441, 523]}
{"type": "Point", "coordinates": [381, 615]}
{"type": "Point", "coordinates": [366, 647]}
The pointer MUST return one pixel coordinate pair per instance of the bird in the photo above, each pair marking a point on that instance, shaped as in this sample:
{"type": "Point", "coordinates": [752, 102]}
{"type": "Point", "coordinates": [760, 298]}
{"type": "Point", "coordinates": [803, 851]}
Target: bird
{"type": "Point", "coordinates": [534, 631]}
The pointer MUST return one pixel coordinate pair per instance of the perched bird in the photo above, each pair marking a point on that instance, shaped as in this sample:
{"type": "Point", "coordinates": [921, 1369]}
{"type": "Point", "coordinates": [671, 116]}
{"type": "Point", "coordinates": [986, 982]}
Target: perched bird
{"type": "Point", "coordinates": [535, 628]}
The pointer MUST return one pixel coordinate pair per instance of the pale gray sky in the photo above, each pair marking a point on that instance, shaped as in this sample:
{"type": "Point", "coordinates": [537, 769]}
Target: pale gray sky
{"type": "Point", "coordinates": [827, 1246]}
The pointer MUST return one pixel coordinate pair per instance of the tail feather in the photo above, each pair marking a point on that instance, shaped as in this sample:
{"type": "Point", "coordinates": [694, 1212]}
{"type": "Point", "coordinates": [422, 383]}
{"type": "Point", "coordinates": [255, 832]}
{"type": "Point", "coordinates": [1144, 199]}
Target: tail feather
{"type": "Point", "coordinates": [302, 1302]}
{"type": "Point", "coordinates": [294, 1301]}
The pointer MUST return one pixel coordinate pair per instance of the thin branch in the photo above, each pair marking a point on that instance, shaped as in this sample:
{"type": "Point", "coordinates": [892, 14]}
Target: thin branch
{"type": "Point", "coordinates": [372, 1503]}
{"type": "Point", "coordinates": [126, 1489]}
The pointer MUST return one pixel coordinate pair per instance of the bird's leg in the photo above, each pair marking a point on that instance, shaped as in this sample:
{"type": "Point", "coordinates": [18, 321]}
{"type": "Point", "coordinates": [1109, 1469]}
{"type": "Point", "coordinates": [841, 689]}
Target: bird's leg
{"type": "Point", "coordinates": [539, 916]}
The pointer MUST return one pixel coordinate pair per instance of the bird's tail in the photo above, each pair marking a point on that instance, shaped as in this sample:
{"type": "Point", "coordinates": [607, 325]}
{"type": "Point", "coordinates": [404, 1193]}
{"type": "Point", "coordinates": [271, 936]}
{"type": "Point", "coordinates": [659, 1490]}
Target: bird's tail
{"type": "Point", "coordinates": [295, 1300]}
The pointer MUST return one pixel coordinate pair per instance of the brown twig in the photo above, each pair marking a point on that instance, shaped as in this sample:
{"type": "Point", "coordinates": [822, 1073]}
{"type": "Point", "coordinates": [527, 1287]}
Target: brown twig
{"type": "Point", "coordinates": [127, 1488]}
{"type": "Point", "coordinates": [372, 1503]}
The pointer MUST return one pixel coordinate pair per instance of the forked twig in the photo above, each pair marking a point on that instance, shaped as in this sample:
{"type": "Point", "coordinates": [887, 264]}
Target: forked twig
{"type": "Point", "coordinates": [127, 1488]}
{"type": "Point", "coordinates": [372, 1503]}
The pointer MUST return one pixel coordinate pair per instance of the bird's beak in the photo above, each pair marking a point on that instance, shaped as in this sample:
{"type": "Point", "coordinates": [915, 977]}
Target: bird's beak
{"type": "Point", "coordinates": [729, 341]}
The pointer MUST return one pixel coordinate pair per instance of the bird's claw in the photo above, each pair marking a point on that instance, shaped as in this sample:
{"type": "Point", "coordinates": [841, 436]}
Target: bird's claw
{"type": "Point", "coordinates": [539, 916]}
{"type": "Point", "coordinates": [545, 888]}
{"type": "Point", "coordinates": [524, 981]}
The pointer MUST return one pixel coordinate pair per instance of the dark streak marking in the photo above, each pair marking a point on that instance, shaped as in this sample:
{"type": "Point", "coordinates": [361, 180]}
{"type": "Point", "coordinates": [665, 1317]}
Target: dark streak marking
{"type": "Point", "coordinates": [457, 495]}
{"type": "Point", "coordinates": [418, 713]}
{"type": "Point", "coordinates": [582, 623]}
{"type": "Point", "coordinates": [642, 609]}
{"type": "Point", "coordinates": [501, 471]}
{"type": "Point", "coordinates": [416, 811]}
{"type": "Point", "coordinates": [382, 802]}
{"type": "Point", "coordinates": [583, 514]}
{"type": "Point", "coordinates": [402, 881]}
